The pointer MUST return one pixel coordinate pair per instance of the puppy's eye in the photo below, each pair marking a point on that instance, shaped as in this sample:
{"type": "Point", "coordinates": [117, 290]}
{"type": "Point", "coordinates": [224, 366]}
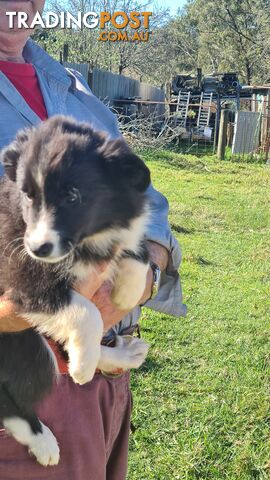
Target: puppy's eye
{"type": "Point", "coordinates": [73, 196]}
{"type": "Point", "coordinates": [28, 197]}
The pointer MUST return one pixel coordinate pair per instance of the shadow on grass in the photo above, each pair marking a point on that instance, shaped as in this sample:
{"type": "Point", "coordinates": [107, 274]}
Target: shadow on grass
{"type": "Point", "coordinates": [176, 160]}
{"type": "Point", "coordinates": [151, 364]}
{"type": "Point", "coordinates": [204, 197]}
{"type": "Point", "coordinates": [203, 261]}
{"type": "Point", "coordinates": [180, 229]}
{"type": "Point", "coordinates": [199, 260]}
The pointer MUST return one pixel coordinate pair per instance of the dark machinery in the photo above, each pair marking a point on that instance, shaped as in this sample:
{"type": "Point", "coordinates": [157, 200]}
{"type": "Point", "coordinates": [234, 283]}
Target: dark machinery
{"type": "Point", "coordinates": [219, 84]}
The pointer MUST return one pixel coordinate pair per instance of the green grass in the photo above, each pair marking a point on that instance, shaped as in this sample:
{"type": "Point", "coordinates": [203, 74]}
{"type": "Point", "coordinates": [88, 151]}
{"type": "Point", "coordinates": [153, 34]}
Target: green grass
{"type": "Point", "coordinates": [258, 157]}
{"type": "Point", "coordinates": [202, 400]}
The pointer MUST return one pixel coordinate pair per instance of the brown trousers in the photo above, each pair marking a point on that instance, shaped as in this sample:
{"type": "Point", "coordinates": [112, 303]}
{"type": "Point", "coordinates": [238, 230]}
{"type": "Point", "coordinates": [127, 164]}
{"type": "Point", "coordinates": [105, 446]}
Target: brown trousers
{"type": "Point", "coordinates": [91, 424]}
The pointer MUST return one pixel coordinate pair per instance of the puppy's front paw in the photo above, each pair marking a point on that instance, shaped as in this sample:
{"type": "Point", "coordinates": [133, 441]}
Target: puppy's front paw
{"type": "Point", "coordinates": [83, 362]}
{"type": "Point", "coordinates": [132, 351]}
{"type": "Point", "coordinates": [129, 284]}
{"type": "Point", "coordinates": [84, 348]}
{"type": "Point", "coordinates": [81, 375]}
{"type": "Point", "coordinates": [126, 297]}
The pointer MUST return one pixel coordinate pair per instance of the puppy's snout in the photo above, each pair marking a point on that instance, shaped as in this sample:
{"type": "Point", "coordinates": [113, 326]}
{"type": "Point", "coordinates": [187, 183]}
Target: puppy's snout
{"type": "Point", "coordinates": [43, 250]}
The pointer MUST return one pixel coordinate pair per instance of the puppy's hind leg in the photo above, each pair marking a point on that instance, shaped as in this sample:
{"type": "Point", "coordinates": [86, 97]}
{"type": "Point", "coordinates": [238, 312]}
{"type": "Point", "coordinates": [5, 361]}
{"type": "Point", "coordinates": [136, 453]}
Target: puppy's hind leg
{"type": "Point", "coordinates": [36, 436]}
{"type": "Point", "coordinates": [28, 430]}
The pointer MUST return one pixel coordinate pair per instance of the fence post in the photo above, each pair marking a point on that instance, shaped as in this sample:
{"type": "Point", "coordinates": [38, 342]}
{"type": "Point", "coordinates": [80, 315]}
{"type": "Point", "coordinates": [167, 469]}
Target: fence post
{"type": "Point", "coordinates": [222, 137]}
{"type": "Point", "coordinates": [65, 52]}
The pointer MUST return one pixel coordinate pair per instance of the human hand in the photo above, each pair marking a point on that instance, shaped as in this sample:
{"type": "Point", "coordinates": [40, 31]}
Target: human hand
{"type": "Point", "coordinates": [93, 281]}
{"type": "Point", "coordinates": [111, 315]}
{"type": "Point", "coordinates": [99, 292]}
{"type": "Point", "coordinates": [10, 321]}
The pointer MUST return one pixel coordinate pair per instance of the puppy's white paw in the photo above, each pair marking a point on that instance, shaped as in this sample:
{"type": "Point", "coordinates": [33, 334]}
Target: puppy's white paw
{"type": "Point", "coordinates": [83, 360]}
{"type": "Point", "coordinates": [42, 445]}
{"type": "Point", "coordinates": [130, 284]}
{"type": "Point", "coordinates": [45, 448]}
{"type": "Point", "coordinates": [83, 369]}
{"type": "Point", "coordinates": [132, 351]}
{"type": "Point", "coordinates": [81, 376]}
{"type": "Point", "coordinates": [126, 297]}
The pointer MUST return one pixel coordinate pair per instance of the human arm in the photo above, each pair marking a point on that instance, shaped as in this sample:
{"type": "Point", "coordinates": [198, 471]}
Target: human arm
{"type": "Point", "coordinates": [92, 288]}
{"type": "Point", "coordinates": [169, 297]}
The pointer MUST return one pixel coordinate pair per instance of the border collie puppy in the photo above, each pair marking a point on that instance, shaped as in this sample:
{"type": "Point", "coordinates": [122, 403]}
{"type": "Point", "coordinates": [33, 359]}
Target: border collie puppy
{"type": "Point", "coordinates": [70, 198]}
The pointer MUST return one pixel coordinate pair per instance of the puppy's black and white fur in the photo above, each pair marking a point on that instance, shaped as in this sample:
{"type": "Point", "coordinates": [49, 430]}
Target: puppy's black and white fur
{"type": "Point", "coordinates": [69, 199]}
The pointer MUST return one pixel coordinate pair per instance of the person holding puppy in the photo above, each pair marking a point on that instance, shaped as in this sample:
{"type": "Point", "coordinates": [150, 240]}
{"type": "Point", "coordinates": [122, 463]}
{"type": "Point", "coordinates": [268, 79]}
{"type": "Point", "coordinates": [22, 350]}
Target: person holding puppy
{"type": "Point", "coordinates": [92, 421]}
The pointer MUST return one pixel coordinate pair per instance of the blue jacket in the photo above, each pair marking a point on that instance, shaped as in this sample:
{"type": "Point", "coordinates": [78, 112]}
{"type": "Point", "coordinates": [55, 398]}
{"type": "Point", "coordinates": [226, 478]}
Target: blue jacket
{"type": "Point", "coordinates": [66, 92]}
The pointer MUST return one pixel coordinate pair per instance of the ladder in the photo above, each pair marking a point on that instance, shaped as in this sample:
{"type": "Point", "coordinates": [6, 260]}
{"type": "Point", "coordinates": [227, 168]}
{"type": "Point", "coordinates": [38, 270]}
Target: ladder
{"type": "Point", "coordinates": [182, 108]}
{"type": "Point", "coordinates": [204, 110]}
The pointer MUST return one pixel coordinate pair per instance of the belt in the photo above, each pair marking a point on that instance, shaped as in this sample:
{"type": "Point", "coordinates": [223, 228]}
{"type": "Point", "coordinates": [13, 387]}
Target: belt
{"type": "Point", "coordinates": [62, 356]}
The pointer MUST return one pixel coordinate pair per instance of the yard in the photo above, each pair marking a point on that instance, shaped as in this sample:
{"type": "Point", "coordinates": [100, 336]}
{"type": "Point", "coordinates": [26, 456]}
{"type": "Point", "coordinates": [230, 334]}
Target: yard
{"type": "Point", "coordinates": [202, 400]}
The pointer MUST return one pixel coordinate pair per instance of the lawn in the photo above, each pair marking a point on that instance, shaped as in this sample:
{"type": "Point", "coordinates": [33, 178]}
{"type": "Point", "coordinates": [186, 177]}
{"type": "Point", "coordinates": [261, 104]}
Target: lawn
{"type": "Point", "coordinates": [202, 399]}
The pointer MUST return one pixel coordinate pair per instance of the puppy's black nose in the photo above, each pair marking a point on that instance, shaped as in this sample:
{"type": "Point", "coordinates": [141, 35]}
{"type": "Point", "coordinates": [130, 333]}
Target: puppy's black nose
{"type": "Point", "coordinates": [44, 250]}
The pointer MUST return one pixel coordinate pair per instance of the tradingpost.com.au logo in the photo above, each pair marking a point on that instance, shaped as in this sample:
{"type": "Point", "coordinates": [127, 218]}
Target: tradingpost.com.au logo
{"type": "Point", "coordinates": [119, 26]}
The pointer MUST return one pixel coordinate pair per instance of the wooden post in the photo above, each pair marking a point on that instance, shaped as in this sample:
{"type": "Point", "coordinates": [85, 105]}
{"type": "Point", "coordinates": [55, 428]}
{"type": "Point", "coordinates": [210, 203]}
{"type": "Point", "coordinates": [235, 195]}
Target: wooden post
{"type": "Point", "coordinates": [90, 78]}
{"type": "Point", "coordinates": [167, 99]}
{"type": "Point", "coordinates": [65, 52]}
{"type": "Point", "coordinates": [222, 137]}
{"type": "Point", "coordinates": [266, 140]}
{"type": "Point", "coordinates": [217, 122]}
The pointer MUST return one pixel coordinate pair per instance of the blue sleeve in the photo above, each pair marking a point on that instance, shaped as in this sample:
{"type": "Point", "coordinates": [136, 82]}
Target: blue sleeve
{"type": "Point", "coordinates": [169, 297]}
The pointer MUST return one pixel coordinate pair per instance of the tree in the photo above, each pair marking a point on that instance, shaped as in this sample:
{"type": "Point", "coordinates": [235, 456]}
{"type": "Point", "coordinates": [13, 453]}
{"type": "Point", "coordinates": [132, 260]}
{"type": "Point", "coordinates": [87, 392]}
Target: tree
{"type": "Point", "coordinates": [216, 35]}
{"type": "Point", "coordinates": [119, 57]}
{"type": "Point", "coordinates": [231, 34]}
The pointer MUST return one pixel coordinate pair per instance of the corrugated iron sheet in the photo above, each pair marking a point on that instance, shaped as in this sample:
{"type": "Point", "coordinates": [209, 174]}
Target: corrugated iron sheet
{"type": "Point", "coordinates": [246, 132]}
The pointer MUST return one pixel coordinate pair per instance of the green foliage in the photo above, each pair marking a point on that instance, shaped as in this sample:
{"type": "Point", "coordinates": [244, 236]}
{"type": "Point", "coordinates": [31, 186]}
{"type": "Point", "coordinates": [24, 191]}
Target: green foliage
{"type": "Point", "coordinates": [217, 35]}
{"type": "Point", "coordinates": [245, 157]}
{"type": "Point", "coordinates": [232, 35]}
{"type": "Point", "coordinates": [201, 401]}
{"type": "Point", "coordinates": [131, 57]}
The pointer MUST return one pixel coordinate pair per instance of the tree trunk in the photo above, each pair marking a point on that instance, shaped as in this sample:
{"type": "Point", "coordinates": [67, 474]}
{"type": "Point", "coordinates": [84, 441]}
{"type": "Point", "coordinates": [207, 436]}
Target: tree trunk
{"type": "Point", "coordinates": [248, 72]}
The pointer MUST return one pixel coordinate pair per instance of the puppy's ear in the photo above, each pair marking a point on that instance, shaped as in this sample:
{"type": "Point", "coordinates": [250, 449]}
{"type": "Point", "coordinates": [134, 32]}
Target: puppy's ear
{"type": "Point", "coordinates": [10, 155]}
{"type": "Point", "coordinates": [124, 166]}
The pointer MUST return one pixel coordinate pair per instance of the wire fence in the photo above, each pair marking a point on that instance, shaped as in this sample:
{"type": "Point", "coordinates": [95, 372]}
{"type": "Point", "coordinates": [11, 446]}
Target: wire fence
{"type": "Point", "coordinates": [248, 132]}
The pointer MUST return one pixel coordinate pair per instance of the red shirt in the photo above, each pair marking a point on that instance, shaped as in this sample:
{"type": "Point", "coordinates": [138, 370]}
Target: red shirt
{"type": "Point", "coordinates": [24, 78]}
